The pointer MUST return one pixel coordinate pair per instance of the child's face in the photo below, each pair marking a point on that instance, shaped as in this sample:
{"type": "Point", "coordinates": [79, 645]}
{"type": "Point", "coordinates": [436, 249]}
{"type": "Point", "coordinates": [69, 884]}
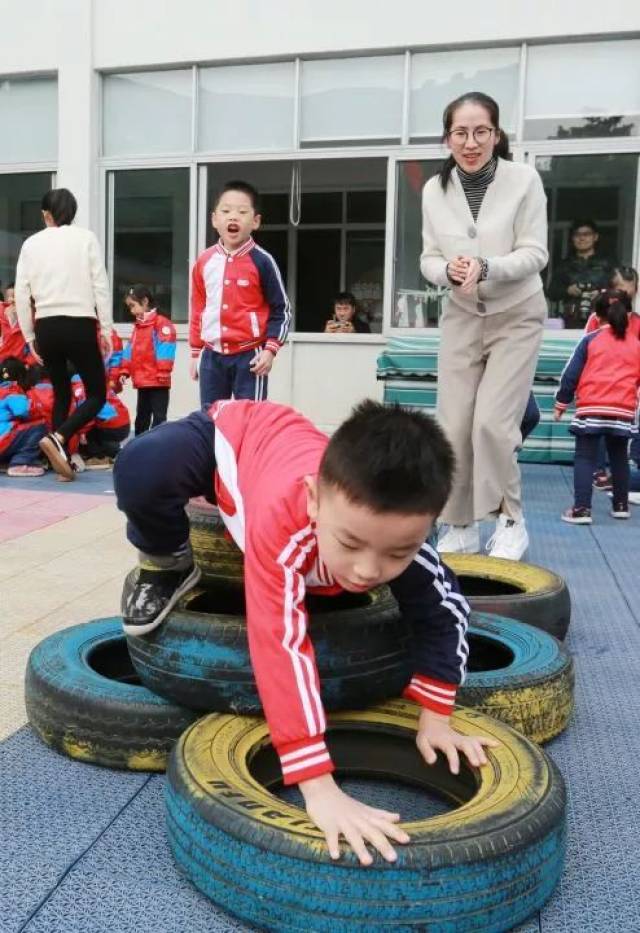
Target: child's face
{"type": "Point", "coordinates": [9, 296]}
{"type": "Point", "coordinates": [137, 307]}
{"type": "Point", "coordinates": [235, 219]}
{"type": "Point", "coordinates": [343, 311]}
{"type": "Point", "coordinates": [362, 548]}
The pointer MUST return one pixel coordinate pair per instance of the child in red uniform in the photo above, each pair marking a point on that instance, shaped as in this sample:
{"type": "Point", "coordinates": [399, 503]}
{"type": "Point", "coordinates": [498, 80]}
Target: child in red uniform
{"type": "Point", "coordinates": [113, 363]}
{"type": "Point", "coordinates": [21, 426]}
{"type": "Point", "coordinates": [148, 358]}
{"type": "Point", "coordinates": [240, 312]}
{"type": "Point", "coordinates": [310, 514]}
{"type": "Point", "coordinates": [603, 374]}
{"type": "Point", "coordinates": [12, 342]}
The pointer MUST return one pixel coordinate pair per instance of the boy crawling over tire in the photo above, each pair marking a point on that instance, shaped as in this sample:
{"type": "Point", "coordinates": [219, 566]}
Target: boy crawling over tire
{"type": "Point", "coordinates": [318, 515]}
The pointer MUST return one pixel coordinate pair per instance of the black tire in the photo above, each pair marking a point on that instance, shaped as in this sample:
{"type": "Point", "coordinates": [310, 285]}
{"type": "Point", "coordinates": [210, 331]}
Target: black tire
{"type": "Point", "coordinates": [514, 589]}
{"type": "Point", "coordinates": [84, 699]}
{"type": "Point", "coordinates": [214, 551]}
{"type": "Point", "coordinates": [199, 657]}
{"type": "Point", "coordinates": [520, 675]}
{"type": "Point", "coordinates": [485, 866]}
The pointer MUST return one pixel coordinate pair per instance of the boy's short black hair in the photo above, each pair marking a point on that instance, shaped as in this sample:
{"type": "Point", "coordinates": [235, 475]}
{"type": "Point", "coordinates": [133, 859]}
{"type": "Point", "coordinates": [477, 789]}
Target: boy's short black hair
{"type": "Point", "coordinates": [390, 459]}
{"type": "Point", "coordinates": [61, 204]}
{"type": "Point", "coordinates": [346, 298]}
{"type": "Point", "coordinates": [238, 185]}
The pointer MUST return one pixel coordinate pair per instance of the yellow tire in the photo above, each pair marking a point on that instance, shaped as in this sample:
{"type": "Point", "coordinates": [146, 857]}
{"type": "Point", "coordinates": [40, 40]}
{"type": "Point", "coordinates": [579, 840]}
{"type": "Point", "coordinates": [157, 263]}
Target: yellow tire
{"type": "Point", "coordinates": [216, 554]}
{"type": "Point", "coordinates": [514, 589]}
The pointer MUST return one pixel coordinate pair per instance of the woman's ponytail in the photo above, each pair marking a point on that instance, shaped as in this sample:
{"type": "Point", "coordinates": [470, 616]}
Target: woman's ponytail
{"type": "Point", "coordinates": [613, 306]}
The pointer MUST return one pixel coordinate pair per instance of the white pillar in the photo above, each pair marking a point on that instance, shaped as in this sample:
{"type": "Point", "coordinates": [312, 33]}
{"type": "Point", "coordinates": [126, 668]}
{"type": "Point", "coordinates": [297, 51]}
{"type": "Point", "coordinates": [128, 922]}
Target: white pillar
{"type": "Point", "coordinates": [78, 108]}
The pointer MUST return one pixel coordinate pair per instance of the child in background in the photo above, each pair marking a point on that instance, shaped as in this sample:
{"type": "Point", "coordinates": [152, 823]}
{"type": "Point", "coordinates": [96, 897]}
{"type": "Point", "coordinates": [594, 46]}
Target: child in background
{"type": "Point", "coordinates": [12, 342]}
{"type": "Point", "coordinates": [113, 363]}
{"type": "Point", "coordinates": [103, 437]}
{"type": "Point", "coordinates": [148, 358]}
{"type": "Point", "coordinates": [603, 374]}
{"type": "Point", "coordinates": [345, 318]}
{"type": "Point", "coordinates": [240, 312]}
{"type": "Point", "coordinates": [21, 427]}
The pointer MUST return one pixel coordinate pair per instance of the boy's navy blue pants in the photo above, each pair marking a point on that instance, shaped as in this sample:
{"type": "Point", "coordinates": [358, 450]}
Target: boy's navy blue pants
{"type": "Point", "coordinates": [584, 464]}
{"type": "Point", "coordinates": [23, 449]}
{"type": "Point", "coordinates": [224, 376]}
{"type": "Point", "coordinates": [156, 474]}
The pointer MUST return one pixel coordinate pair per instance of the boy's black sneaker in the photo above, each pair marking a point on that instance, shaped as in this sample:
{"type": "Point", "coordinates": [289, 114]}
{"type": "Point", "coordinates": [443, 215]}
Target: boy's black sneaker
{"type": "Point", "coordinates": [620, 510]}
{"type": "Point", "coordinates": [577, 516]}
{"type": "Point", "coordinates": [149, 595]}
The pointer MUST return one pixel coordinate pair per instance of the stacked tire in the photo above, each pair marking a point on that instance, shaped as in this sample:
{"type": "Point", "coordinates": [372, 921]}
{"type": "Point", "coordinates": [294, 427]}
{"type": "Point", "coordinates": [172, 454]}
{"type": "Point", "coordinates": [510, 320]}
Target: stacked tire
{"type": "Point", "coordinates": [487, 864]}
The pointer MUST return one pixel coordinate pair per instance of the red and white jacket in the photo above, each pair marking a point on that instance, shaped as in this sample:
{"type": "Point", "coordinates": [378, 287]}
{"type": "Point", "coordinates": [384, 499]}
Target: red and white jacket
{"type": "Point", "coordinates": [603, 373]}
{"type": "Point", "coordinates": [149, 356]}
{"type": "Point", "coordinates": [263, 452]}
{"type": "Point", "coordinates": [12, 342]}
{"type": "Point", "coordinates": [238, 301]}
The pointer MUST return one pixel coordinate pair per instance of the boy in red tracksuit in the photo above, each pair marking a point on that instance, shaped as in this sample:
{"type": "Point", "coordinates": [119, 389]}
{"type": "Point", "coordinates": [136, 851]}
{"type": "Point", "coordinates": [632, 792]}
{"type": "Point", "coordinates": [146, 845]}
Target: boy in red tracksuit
{"type": "Point", "coordinates": [148, 358]}
{"type": "Point", "coordinates": [311, 514]}
{"type": "Point", "coordinates": [604, 375]}
{"type": "Point", "coordinates": [240, 313]}
{"type": "Point", "coordinates": [114, 363]}
{"type": "Point", "coordinates": [21, 426]}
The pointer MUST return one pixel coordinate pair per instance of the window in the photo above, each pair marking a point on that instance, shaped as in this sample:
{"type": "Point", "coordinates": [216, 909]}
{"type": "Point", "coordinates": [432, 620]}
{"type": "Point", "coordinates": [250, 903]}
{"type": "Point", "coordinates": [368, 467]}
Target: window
{"type": "Point", "coordinates": [598, 188]}
{"type": "Point", "coordinates": [439, 77]}
{"type": "Point", "coordinates": [147, 112]}
{"type": "Point", "coordinates": [245, 107]}
{"type": "Point", "coordinates": [338, 244]}
{"type": "Point", "coordinates": [585, 89]}
{"type": "Point", "coordinates": [20, 197]}
{"type": "Point", "coordinates": [29, 120]}
{"type": "Point", "coordinates": [151, 238]}
{"type": "Point", "coordinates": [415, 303]}
{"type": "Point", "coordinates": [352, 98]}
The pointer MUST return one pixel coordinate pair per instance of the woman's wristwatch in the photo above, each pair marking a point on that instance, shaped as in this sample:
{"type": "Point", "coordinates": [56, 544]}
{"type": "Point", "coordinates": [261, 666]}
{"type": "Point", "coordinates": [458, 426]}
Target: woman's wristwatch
{"type": "Point", "coordinates": [484, 269]}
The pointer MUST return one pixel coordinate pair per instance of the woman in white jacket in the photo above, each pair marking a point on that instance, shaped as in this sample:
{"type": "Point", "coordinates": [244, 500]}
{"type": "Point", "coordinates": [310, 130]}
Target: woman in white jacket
{"type": "Point", "coordinates": [485, 235]}
{"type": "Point", "coordinates": [61, 273]}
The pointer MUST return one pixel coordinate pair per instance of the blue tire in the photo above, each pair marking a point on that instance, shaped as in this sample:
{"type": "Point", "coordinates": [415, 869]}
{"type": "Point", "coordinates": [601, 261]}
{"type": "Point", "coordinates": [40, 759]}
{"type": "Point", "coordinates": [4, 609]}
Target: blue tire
{"type": "Point", "coordinates": [485, 866]}
{"type": "Point", "coordinates": [84, 699]}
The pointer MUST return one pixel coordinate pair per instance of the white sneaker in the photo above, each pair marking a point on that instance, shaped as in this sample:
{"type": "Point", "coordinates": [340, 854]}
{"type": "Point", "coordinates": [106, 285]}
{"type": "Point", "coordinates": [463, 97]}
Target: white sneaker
{"type": "Point", "coordinates": [460, 539]}
{"type": "Point", "coordinates": [510, 539]}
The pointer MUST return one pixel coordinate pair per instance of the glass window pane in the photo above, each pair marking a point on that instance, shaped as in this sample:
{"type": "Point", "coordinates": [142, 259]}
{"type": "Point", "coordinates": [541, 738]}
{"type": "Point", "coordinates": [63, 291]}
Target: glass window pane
{"type": "Point", "coordinates": [246, 107]}
{"type": "Point", "coordinates": [147, 112]}
{"type": "Point", "coordinates": [321, 207]}
{"type": "Point", "coordinates": [20, 197]}
{"type": "Point", "coordinates": [318, 278]}
{"type": "Point", "coordinates": [584, 89]}
{"type": "Point", "coordinates": [352, 98]}
{"type": "Point", "coordinates": [365, 274]}
{"type": "Point", "coordinates": [366, 207]}
{"type": "Point", "coordinates": [584, 189]}
{"type": "Point", "coordinates": [414, 303]}
{"type": "Point", "coordinates": [272, 180]}
{"type": "Point", "coordinates": [29, 120]}
{"type": "Point", "coordinates": [151, 238]}
{"type": "Point", "coordinates": [439, 77]}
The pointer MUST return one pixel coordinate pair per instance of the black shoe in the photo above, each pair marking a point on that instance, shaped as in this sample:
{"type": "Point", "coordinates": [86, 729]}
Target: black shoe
{"type": "Point", "coordinates": [149, 595]}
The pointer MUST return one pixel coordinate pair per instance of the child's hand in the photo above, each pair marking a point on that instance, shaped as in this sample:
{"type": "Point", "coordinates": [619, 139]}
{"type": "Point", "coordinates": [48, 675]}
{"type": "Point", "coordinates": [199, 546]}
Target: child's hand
{"type": "Point", "coordinates": [434, 732]}
{"type": "Point", "coordinates": [193, 368]}
{"type": "Point", "coordinates": [337, 814]}
{"type": "Point", "coordinates": [262, 363]}
{"type": "Point", "coordinates": [558, 413]}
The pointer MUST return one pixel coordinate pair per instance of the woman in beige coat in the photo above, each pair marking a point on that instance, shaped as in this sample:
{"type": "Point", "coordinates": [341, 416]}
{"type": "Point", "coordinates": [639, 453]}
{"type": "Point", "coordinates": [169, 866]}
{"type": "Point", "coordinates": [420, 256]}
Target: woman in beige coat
{"type": "Point", "coordinates": [485, 235]}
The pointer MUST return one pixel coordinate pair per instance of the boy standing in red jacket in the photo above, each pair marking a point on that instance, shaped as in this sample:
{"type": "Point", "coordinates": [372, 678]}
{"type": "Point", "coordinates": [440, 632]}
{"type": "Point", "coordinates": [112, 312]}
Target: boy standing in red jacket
{"type": "Point", "coordinates": [148, 358]}
{"type": "Point", "coordinates": [240, 312]}
{"type": "Point", "coordinates": [311, 514]}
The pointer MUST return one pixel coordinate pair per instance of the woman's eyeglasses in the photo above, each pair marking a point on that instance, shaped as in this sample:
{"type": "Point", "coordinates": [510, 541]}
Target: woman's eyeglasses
{"type": "Point", "coordinates": [481, 134]}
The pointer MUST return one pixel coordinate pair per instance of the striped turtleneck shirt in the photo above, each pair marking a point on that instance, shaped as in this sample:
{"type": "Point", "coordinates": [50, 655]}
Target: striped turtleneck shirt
{"type": "Point", "coordinates": [475, 184]}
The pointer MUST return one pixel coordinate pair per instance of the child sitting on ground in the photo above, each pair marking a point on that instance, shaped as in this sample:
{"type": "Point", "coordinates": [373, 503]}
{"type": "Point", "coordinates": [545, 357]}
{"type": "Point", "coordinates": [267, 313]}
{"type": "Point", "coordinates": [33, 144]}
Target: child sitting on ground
{"type": "Point", "coordinates": [603, 374]}
{"type": "Point", "coordinates": [240, 312]}
{"type": "Point", "coordinates": [345, 318]}
{"type": "Point", "coordinates": [311, 514]}
{"type": "Point", "coordinates": [21, 427]}
{"type": "Point", "coordinates": [148, 358]}
{"type": "Point", "coordinates": [102, 438]}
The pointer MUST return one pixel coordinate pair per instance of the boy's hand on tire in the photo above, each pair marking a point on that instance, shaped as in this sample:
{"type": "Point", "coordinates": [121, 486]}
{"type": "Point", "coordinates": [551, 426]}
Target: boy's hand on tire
{"type": "Point", "coordinates": [435, 733]}
{"type": "Point", "coordinates": [337, 814]}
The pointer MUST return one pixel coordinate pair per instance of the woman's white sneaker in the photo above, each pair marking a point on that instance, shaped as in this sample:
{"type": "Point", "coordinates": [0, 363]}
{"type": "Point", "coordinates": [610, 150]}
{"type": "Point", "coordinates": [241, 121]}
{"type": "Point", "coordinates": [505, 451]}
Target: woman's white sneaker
{"type": "Point", "coordinates": [460, 539]}
{"type": "Point", "coordinates": [510, 540]}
